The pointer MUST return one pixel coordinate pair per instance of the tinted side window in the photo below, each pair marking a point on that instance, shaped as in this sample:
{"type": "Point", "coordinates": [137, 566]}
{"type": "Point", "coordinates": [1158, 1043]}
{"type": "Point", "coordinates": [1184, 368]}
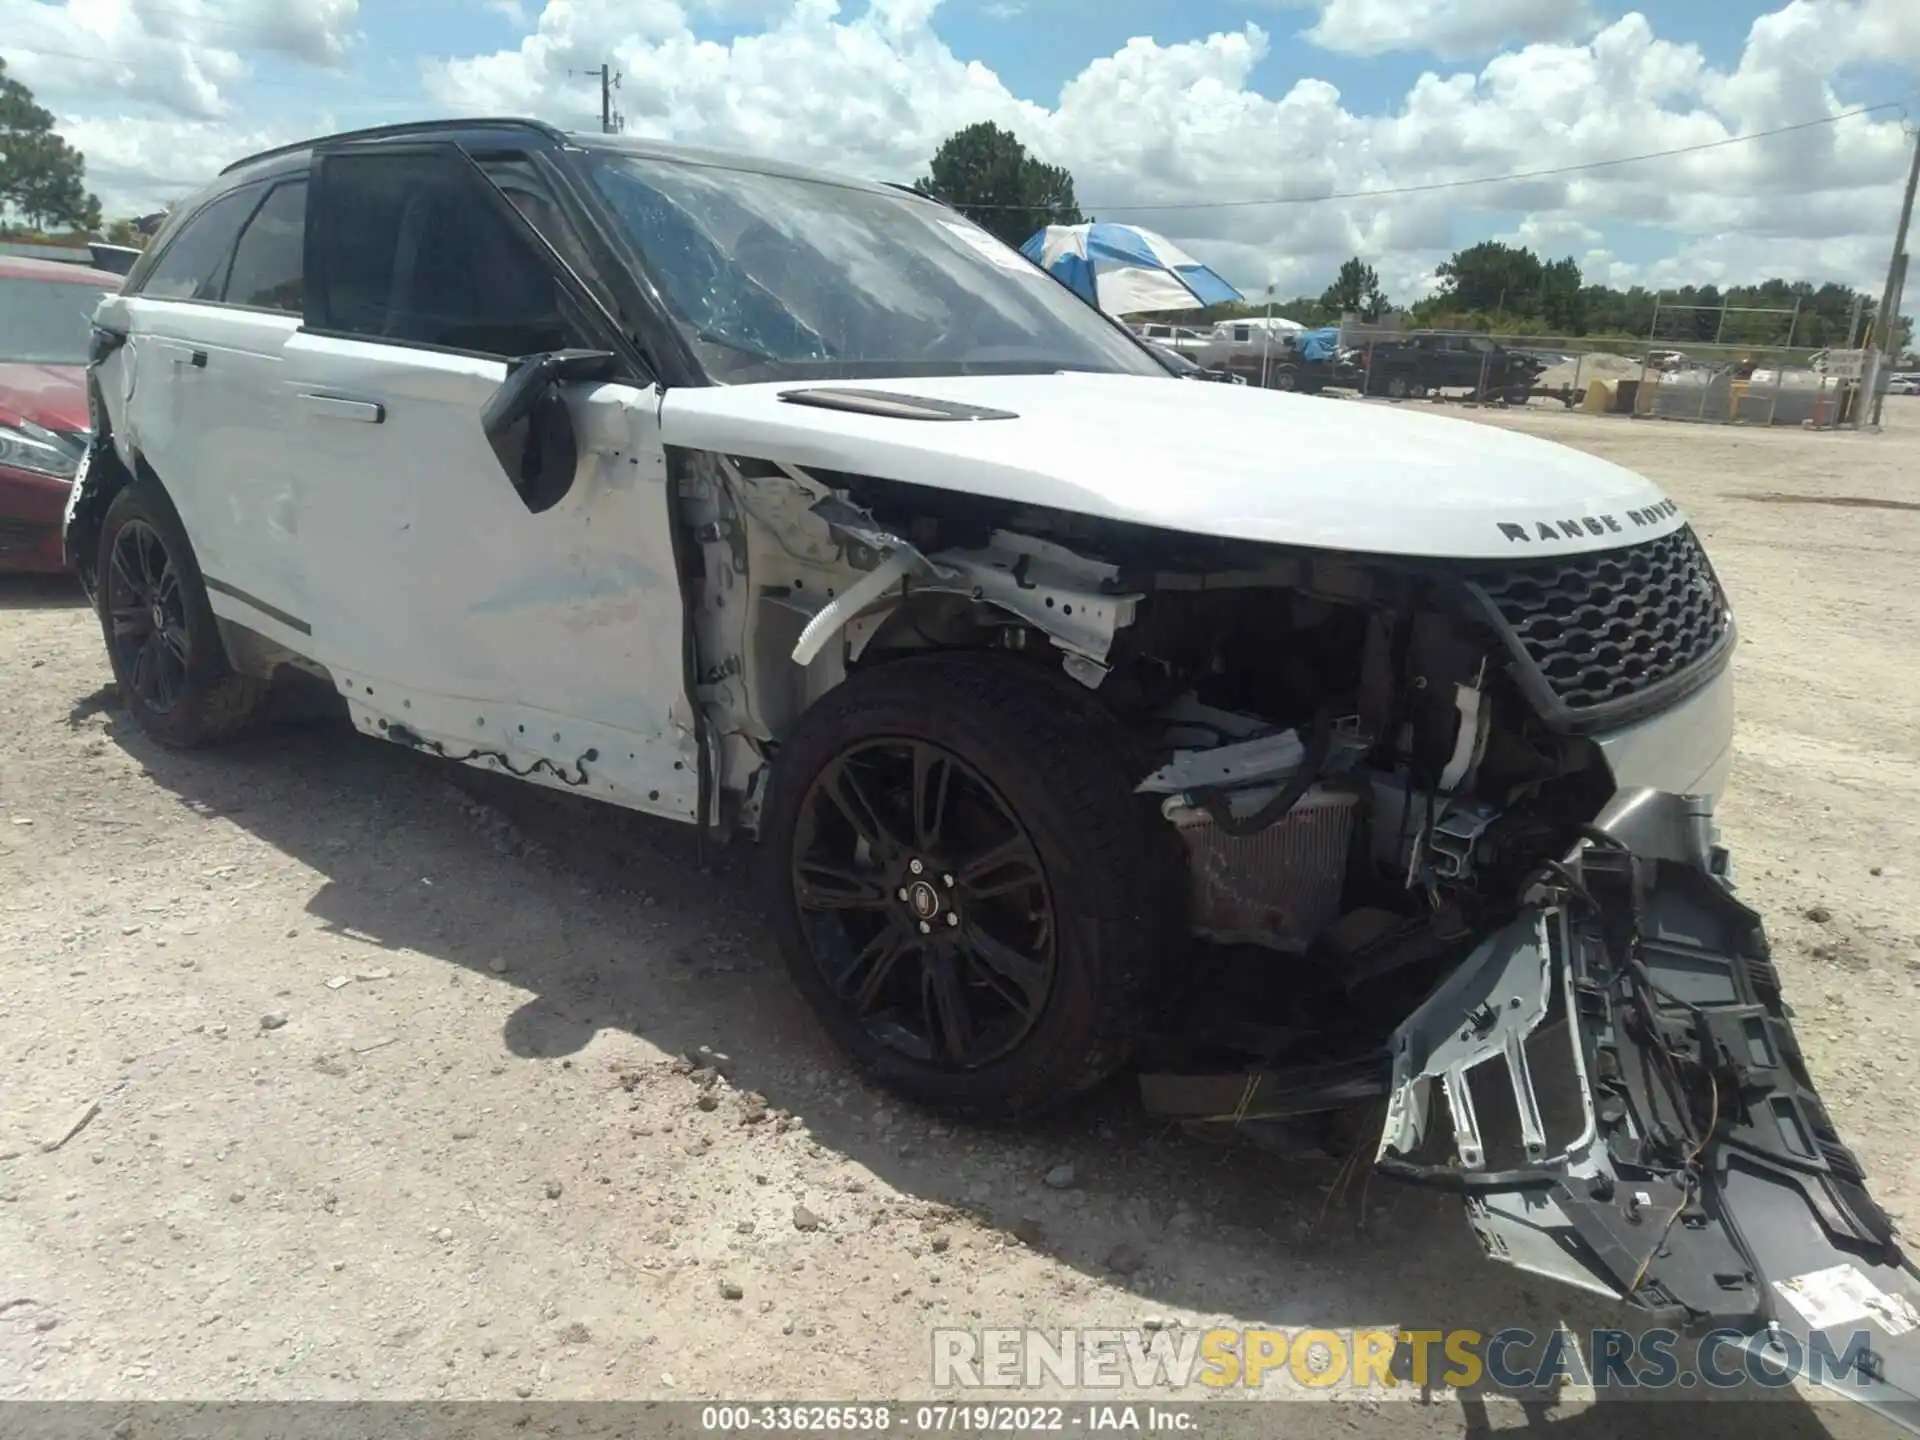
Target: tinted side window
{"type": "Point", "coordinates": [414, 249]}
{"type": "Point", "coordinates": [194, 265]}
{"type": "Point", "coordinates": [269, 262]}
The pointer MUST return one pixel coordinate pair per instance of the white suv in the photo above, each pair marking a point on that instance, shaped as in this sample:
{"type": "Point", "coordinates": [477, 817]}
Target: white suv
{"type": "Point", "coordinates": [1317, 758]}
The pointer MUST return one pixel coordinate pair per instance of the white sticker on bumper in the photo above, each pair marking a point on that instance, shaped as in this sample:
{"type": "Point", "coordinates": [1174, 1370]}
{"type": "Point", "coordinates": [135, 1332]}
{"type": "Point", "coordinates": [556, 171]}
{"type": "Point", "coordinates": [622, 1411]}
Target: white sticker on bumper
{"type": "Point", "coordinates": [1841, 1295]}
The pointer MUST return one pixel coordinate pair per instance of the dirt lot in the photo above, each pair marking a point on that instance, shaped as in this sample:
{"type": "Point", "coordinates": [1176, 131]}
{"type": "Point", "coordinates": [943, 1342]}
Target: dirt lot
{"type": "Point", "coordinates": [385, 1064]}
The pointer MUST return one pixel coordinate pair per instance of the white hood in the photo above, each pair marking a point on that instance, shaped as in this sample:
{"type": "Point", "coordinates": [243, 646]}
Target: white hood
{"type": "Point", "coordinates": [1222, 460]}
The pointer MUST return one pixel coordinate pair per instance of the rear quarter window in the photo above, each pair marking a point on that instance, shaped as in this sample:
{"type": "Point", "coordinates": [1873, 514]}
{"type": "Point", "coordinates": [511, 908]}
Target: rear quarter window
{"type": "Point", "coordinates": [269, 261]}
{"type": "Point", "coordinates": [194, 264]}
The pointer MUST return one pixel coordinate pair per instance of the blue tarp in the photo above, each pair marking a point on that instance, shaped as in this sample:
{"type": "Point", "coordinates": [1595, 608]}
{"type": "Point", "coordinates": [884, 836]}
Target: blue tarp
{"type": "Point", "coordinates": [1318, 345]}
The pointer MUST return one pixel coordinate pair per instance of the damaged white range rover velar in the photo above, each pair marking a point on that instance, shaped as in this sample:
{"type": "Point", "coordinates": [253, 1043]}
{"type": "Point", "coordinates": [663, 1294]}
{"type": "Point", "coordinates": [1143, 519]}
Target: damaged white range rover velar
{"type": "Point", "coordinates": [1347, 770]}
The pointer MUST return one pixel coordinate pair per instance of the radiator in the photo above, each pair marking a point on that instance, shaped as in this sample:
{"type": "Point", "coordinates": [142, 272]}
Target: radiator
{"type": "Point", "coordinates": [1278, 888]}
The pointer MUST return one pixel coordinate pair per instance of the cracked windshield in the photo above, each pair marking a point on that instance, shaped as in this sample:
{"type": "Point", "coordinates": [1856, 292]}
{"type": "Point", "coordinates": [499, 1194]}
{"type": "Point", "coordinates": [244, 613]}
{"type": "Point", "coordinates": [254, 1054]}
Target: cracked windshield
{"type": "Point", "coordinates": [778, 278]}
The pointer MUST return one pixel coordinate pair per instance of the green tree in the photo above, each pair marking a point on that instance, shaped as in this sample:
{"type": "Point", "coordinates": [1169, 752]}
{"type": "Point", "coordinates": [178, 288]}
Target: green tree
{"type": "Point", "coordinates": [1493, 277]}
{"type": "Point", "coordinates": [1499, 289]}
{"type": "Point", "coordinates": [986, 174]}
{"type": "Point", "coordinates": [126, 231]}
{"type": "Point", "coordinates": [42, 177]}
{"type": "Point", "coordinates": [1562, 302]}
{"type": "Point", "coordinates": [1355, 291]}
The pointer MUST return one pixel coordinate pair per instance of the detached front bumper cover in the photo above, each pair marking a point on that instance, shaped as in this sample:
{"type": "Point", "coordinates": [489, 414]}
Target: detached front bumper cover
{"type": "Point", "coordinates": [1627, 1109]}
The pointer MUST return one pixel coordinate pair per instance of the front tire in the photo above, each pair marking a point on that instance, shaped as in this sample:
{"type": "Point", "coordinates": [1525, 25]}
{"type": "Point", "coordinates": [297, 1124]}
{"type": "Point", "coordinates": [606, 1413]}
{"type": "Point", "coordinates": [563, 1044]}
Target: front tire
{"type": "Point", "coordinates": [968, 892]}
{"type": "Point", "coordinates": [162, 639]}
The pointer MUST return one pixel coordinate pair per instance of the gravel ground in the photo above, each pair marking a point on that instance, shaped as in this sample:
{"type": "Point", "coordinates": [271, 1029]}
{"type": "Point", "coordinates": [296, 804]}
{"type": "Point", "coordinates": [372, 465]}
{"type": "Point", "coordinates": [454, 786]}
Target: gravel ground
{"type": "Point", "coordinates": [380, 1069]}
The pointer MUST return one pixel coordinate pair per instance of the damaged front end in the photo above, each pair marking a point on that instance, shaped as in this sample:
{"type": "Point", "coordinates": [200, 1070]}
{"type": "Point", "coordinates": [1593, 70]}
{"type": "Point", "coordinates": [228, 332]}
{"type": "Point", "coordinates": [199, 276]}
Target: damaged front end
{"type": "Point", "coordinates": [1446, 862]}
{"type": "Point", "coordinates": [1448, 910]}
{"type": "Point", "coordinates": [1613, 1084]}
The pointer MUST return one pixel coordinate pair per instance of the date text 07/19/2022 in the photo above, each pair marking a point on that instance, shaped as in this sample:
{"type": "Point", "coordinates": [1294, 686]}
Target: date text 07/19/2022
{"type": "Point", "coordinates": [962, 1418]}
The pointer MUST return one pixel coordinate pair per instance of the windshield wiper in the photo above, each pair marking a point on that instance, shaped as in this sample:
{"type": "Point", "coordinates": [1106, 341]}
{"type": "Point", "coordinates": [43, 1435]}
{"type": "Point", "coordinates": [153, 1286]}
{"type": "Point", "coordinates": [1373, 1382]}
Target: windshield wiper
{"type": "Point", "coordinates": [725, 344]}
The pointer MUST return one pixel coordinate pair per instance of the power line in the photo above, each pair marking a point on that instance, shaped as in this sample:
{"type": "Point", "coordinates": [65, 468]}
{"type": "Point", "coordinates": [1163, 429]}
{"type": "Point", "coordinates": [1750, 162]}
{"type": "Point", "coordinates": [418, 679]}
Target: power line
{"type": "Point", "coordinates": [1433, 185]}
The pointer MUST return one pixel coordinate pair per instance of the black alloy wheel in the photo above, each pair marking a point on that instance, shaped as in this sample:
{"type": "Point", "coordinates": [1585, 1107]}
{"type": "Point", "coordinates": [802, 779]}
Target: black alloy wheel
{"type": "Point", "coordinates": [147, 617]}
{"type": "Point", "coordinates": [924, 903]}
{"type": "Point", "coordinates": [163, 640]}
{"type": "Point", "coordinates": [966, 888]}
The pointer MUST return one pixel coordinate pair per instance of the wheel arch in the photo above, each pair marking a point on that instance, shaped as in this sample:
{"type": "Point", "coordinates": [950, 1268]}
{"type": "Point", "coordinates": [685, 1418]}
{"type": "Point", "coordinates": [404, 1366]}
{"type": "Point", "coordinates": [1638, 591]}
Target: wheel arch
{"type": "Point", "coordinates": [244, 650]}
{"type": "Point", "coordinates": [918, 626]}
{"type": "Point", "coordinates": [107, 474]}
{"type": "Point", "coordinates": [211, 700]}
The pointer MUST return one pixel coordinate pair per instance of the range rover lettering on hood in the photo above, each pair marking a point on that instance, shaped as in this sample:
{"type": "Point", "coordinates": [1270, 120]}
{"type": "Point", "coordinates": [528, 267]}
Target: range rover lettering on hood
{"type": "Point", "coordinates": [1590, 524]}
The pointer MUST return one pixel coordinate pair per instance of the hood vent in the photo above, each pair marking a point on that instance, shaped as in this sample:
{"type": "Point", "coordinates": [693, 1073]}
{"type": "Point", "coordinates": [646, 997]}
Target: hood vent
{"type": "Point", "coordinates": [892, 406]}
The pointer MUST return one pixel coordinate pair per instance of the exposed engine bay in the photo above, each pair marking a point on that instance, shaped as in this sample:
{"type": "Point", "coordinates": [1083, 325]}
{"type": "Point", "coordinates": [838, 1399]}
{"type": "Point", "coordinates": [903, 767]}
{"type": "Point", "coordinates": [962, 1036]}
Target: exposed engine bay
{"type": "Point", "coordinates": [1359, 785]}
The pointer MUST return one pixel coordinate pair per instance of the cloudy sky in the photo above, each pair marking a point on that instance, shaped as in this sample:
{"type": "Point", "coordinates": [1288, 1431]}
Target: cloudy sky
{"type": "Point", "coordinates": [1151, 103]}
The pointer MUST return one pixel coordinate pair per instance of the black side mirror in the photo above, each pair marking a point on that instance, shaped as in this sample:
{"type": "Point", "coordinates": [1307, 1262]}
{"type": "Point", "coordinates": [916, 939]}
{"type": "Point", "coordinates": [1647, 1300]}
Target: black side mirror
{"type": "Point", "coordinates": [527, 424]}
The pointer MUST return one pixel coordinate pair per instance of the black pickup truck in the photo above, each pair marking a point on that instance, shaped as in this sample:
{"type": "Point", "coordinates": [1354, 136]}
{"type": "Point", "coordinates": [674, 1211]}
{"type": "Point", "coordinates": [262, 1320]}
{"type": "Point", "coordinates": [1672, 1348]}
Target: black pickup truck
{"type": "Point", "coordinates": [1420, 365]}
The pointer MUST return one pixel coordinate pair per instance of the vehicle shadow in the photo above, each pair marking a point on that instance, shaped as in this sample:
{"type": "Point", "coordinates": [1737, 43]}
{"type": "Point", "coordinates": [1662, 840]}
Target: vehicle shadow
{"type": "Point", "coordinates": [606, 920]}
{"type": "Point", "coordinates": [41, 592]}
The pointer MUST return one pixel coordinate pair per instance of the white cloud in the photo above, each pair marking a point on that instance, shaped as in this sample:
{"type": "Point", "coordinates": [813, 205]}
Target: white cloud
{"type": "Point", "coordinates": [870, 88]}
{"type": "Point", "coordinates": [180, 56]}
{"type": "Point", "coordinates": [1170, 122]}
{"type": "Point", "coordinates": [140, 165]}
{"type": "Point", "coordinates": [1451, 29]}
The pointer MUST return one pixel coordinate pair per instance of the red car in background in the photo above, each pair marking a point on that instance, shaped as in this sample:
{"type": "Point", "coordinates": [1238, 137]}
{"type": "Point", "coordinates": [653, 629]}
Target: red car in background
{"type": "Point", "coordinates": [46, 310]}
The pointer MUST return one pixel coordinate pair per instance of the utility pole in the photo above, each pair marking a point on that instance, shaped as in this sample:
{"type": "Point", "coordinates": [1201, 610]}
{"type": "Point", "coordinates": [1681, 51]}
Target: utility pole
{"type": "Point", "coordinates": [1892, 354]}
{"type": "Point", "coordinates": [611, 120]}
{"type": "Point", "coordinates": [1886, 320]}
{"type": "Point", "coordinates": [1266, 337]}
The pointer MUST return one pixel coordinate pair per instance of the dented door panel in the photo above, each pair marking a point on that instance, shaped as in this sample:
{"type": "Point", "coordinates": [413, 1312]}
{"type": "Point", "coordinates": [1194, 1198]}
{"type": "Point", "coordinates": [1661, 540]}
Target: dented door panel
{"type": "Point", "coordinates": [546, 645]}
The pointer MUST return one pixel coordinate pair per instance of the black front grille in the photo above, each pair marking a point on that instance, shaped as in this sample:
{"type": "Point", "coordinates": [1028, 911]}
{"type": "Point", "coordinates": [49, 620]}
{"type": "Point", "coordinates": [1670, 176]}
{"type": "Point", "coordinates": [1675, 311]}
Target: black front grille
{"type": "Point", "coordinates": [1601, 629]}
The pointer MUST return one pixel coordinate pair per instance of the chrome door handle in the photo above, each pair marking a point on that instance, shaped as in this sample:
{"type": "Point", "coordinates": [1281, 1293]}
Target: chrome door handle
{"type": "Point", "coordinates": [336, 407]}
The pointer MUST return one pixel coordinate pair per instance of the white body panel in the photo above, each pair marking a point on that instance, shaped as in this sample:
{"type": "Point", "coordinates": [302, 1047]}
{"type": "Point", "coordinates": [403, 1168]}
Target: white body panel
{"type": "Point", "coordinates": [195, 395]}
{"type": "Point", "coordinates": [1220, 460]}
{"type": "Point", "coordinates": [451, 610]}
{"type": "Point", "coordinates": [395, 553]}
{"type": "Point", "coordinates": [1686, 749]}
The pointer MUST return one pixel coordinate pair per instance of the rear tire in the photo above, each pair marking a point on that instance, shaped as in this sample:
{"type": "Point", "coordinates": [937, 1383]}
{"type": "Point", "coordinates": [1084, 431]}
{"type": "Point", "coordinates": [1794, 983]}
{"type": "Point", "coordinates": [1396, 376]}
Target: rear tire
{"type": "Point", "coordinates": [162, 639]}
{"type": "Point", "coordinates": [1027, 767]}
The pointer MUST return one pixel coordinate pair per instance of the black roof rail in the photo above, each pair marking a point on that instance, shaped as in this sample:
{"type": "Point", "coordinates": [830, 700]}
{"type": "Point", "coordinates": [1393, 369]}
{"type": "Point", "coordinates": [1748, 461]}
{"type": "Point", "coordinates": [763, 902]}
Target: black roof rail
{"type": "Point", "coordinates": [915, 191]}
{"type": "Point", "coordinates": [412, 127]}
